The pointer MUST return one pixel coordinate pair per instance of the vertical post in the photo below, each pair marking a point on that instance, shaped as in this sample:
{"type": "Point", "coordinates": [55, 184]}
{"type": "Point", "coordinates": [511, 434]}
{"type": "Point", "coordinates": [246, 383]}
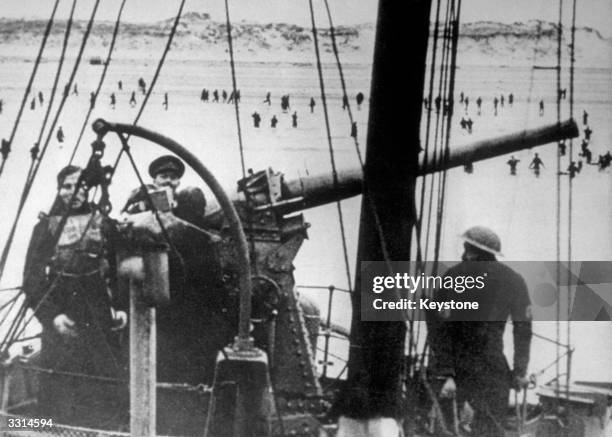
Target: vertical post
{"type": "Point", "coordinates": [374, 390]}
{"type": "Point", "coordinates": [148, 287]}
{"type": "Point", "coordinates": [143, 369]}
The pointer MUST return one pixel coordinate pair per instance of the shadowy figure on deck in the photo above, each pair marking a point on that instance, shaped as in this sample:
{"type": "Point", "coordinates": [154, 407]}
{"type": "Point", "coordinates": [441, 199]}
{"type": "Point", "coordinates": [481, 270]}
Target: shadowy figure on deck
{"type": "Point", "coordinates": [273, 121]}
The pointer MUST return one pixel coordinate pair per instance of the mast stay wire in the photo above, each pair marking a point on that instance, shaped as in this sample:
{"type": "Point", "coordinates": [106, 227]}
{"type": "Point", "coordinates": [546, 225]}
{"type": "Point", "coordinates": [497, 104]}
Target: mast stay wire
{"type": "Point", "coordinates": [414, 340]}
{"type": "Point", "coordinates": [34, 151]}
{"type": "Point", "coordinates": [570, 201]}
{"type": "Point", "coordinates": [102, 77]}
{"type": "Point", "coordinates": [329, 142]}
{"type": "Point", "coordinates": [228, 25]}
{"type": "Point", "coordinates": [558, 199]}
{"type": "Point", "coordinates": [6, 147]}
{"type": "Point", "coordinates": [38, 159]}
{"type": "Point", "coordinates": [249, 218]}
{"type": "Point", "coordinates": [455, 13]}
{"type": "Point", "coordinates": [419, 221]}
{"type": "Point", "coordinates": [439, 125]}
{"type": "Point", "coordinates": [368, 199]}
{"type": "Point", "coordinates": [439, 130]}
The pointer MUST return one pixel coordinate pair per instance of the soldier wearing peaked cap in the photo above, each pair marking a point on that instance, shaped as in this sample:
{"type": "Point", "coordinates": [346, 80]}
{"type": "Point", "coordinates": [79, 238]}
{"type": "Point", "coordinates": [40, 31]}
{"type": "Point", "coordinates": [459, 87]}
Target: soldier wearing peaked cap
{"type": "Point", "coordinates": [198, 297]}
{"type": "Point", "coordinates": [167, 163]}
{"type": "Point", "coordinates": [467, 346]}
{"type": "Point", "coordinates": [167, 171]}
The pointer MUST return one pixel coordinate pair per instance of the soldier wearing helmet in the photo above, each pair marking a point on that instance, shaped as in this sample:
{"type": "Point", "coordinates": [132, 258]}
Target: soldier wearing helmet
{"type": "Point", "coordinates": [468, 348]}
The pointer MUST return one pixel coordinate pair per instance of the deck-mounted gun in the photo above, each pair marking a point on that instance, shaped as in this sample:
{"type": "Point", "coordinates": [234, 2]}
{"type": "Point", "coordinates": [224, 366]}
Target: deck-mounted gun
{"type": "Point", "coordinates": [268, 206]}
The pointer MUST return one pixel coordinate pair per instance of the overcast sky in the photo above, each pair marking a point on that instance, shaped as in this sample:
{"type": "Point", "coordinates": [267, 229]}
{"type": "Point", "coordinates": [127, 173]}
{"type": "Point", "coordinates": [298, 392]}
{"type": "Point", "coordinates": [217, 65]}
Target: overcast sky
{"type": "Point", "coordinates": [593, 13]}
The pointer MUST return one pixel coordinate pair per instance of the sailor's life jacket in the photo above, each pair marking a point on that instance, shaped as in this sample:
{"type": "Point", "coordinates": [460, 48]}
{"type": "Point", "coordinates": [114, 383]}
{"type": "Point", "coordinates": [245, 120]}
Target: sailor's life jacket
{"type": "Point", "coordinates": [80, 248]}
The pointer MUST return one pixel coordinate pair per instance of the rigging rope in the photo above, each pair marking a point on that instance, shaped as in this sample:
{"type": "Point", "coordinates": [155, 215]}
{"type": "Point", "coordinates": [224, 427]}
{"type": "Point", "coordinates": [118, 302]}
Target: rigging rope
{"type": "Point", "coordinates": [451, 93]}
{"type": "Point", "coordinates": [155, 76]}
{"type": "Point", "coordinates": [35, 149]}
{"type": "Point", "coordinates": [570, 200]}
{"type": "Point", "coordinates": [102, 77]}
{"type": "Point", "coordinates": [440, 114]}
{"type": "Point", "coordinates": [558, 193]}
{"type": "Point", "coordinates": [366, 196]}
{"type": "Point", "coordinates": [427, 136]}
{"type": "Point", "coordinates": [6, 147]}
{"type": "Point", "coordinates": [330, 143]}
{"type": "Point", "coordinates": [228, 25]}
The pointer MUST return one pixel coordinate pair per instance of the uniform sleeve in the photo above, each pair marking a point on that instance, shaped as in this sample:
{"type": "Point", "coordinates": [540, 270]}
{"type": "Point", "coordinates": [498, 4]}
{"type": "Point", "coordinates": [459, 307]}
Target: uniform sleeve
{"type": "Point", "coordinates": [521, 321]}
{"type": "Point", "coordinates": [35, 284]}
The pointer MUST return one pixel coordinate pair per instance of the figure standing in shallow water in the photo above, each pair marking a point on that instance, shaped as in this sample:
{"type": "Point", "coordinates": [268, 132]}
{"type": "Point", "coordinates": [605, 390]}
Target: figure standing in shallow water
{"type": "Point", "coordinates": [256, 119]}
{"type": "Point", "coordinates": [535, 165]}
{"type": "Point", "coordinates": [512, 162]}
{"type": "Point", "coordinates": [273, 121]}
{"type": "Point", "coordinates": [359, 100]}
{"type": "Point", "coordinates": [294, 119]}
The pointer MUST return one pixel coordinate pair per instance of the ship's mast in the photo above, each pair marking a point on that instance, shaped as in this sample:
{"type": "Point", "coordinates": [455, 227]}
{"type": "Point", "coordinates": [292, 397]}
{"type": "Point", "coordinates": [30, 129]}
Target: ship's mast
{"type": "Point", "coordinates": [376, 356]}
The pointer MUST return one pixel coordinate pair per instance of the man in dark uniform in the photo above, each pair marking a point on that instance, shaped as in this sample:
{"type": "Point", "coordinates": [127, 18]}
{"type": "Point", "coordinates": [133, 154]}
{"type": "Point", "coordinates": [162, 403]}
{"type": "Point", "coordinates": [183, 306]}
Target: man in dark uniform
{"type": "Point", "coordinates": [68, 278]}
{"type": "Point", "coordinates": [468, 345]}
{"type": "Point", "coordinates": [195, 325]}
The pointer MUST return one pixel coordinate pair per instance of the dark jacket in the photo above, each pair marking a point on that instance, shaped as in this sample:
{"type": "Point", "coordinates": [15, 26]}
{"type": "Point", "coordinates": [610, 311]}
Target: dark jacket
{"type": "Point", "coordinates": [470, 343]}
{"type": "Point", "coordinates": [68, 272]}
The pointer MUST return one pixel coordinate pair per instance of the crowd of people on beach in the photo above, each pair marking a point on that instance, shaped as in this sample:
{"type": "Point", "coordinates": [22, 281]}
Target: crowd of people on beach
{"type": "Point", "coordinates": [439, 105]}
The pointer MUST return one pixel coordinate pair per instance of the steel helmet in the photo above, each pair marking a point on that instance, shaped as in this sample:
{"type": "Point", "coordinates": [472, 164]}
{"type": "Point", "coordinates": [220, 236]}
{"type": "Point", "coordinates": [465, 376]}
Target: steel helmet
{"type": "Point", "coordinates": [484, 239]}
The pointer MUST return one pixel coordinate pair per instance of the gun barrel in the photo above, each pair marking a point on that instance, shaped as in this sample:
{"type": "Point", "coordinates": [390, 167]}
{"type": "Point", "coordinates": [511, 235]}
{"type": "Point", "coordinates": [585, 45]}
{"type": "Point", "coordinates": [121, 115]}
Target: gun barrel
{"type": "Point", "coordinates": [320, 189]}
{"type": "Point", "coordinates": [490, 148]}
